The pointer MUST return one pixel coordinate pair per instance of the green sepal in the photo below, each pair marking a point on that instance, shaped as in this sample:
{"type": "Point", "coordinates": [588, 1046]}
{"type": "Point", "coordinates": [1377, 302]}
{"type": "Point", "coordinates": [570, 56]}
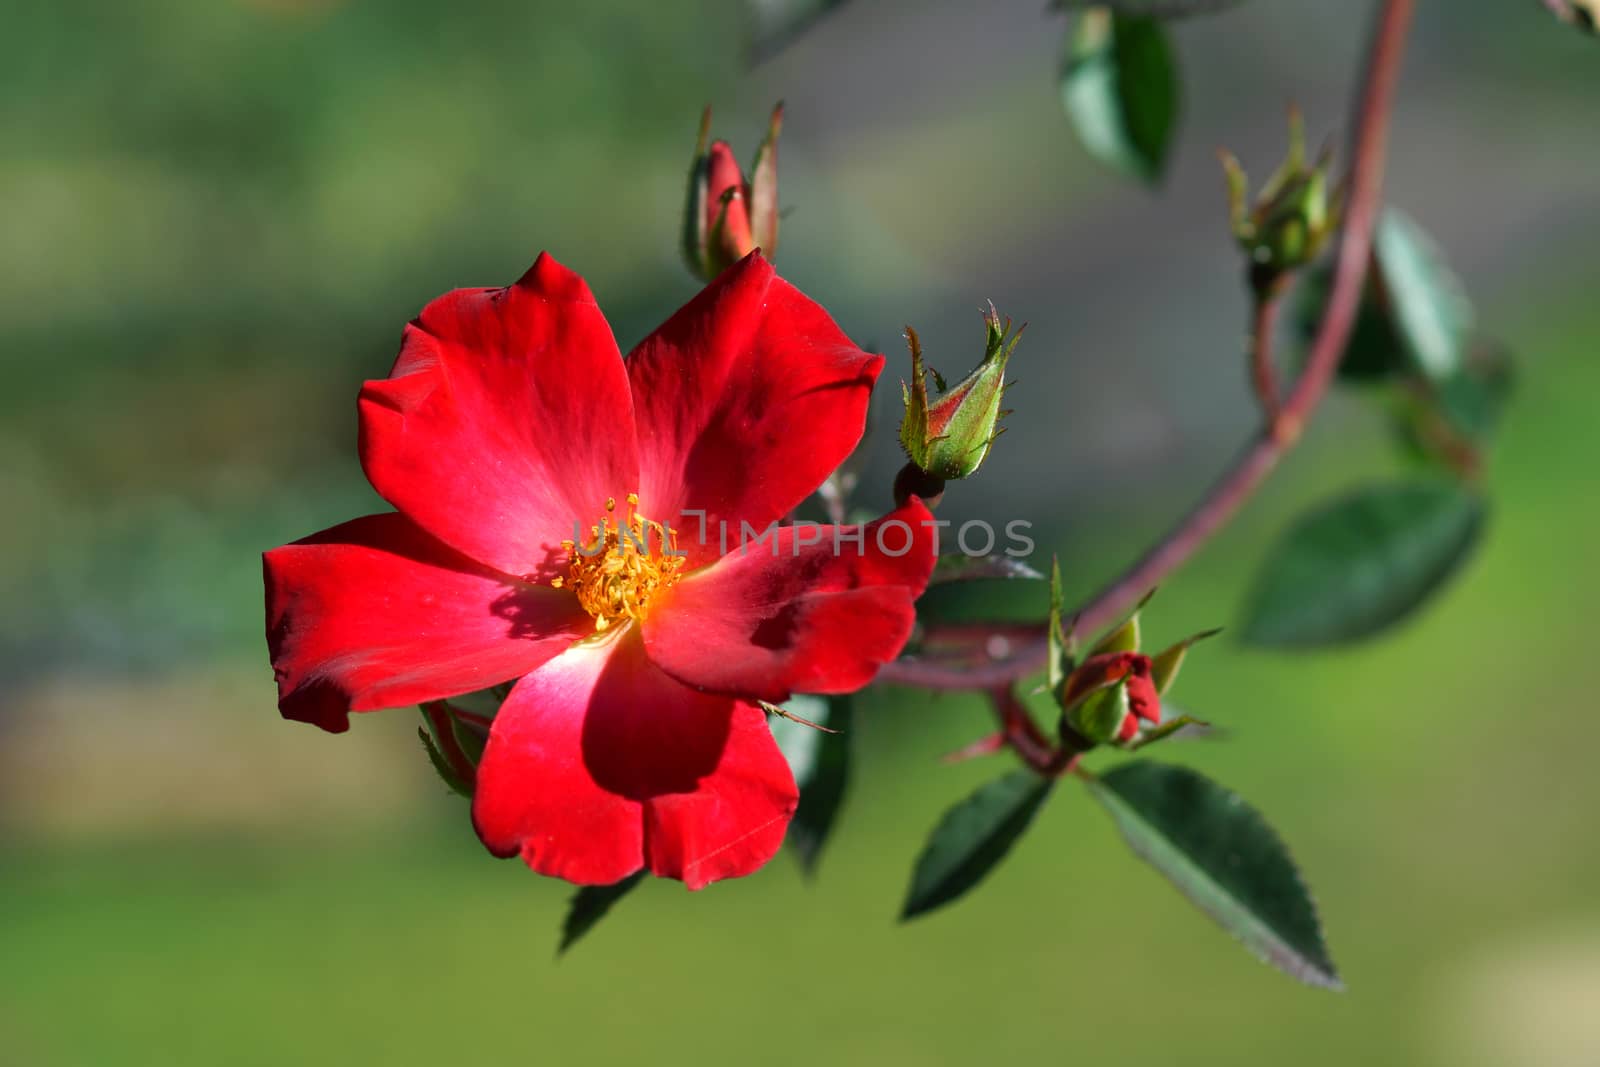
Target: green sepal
{"type": "Point", "coordinates": [949, 437]}
{"type": "Point", "coordinates": [718, 256]}
{"type": "Point", "coordinates": [1116, 639]}
{"type": "Point", "coordinates": [441, 765]}
{"type": "Point", "coordinates": [1098, 715]}
{"type": "Point", "coordinates": [695, 239]}
{"type": "Point", "coordinates": [764, 187]}
{"type": "Point", "coordinates": [1164, 665]}
{"type": "Point", "coordinates": [1151, 734]}
{"type": "Point", "coordinates": [1124, 638]}
{"type": "Point", "coordinates": [1060, 649]}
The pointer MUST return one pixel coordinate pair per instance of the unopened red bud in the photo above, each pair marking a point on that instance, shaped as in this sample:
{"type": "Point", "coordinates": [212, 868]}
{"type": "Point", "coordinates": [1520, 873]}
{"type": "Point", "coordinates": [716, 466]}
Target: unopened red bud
{"type": "Point", "coordinates": [727, 216]}
{"type": "Point", "coordinates": [1107, 695]}
{"type": "Point", "coordinates": [727, 211]}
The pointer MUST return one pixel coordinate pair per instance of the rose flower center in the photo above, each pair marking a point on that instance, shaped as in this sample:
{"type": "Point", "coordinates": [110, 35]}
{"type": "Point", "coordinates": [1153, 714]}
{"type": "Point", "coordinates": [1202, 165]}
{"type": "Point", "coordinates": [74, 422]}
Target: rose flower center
{"type": "Point", "coordinates": [621, 568]}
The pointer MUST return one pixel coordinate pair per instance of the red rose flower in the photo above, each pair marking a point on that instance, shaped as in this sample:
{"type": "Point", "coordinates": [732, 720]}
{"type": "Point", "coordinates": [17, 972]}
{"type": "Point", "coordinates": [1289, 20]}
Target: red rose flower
{"type": "Point", "coordinates": [632, 736]}
{"type": "Point", "coordinates": [1107, 668]}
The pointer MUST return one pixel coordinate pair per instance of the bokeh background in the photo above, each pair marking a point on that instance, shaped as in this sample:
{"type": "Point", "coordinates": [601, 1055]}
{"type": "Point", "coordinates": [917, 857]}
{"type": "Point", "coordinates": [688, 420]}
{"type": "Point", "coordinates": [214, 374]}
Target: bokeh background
{"type": "Point", "coordinates": [215, 215]}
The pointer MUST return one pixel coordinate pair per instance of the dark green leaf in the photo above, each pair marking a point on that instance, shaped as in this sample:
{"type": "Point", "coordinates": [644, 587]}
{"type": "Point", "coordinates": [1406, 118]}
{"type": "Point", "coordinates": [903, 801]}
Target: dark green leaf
{"type": "Point", "coordinates": [821, 765]}
{"type": "Point", "coordinates": [971, 568]}
{"type": "Point", "coordinates": [589, 905]}
{"type": "Point", "coordinates": [1119, 86]}
{"type": "Point", "coordinates": [1221, 854]}
{"type": "Point", "coordinates": [972, 839]}
{"type": "Point", "coordinates": [1361, 563]}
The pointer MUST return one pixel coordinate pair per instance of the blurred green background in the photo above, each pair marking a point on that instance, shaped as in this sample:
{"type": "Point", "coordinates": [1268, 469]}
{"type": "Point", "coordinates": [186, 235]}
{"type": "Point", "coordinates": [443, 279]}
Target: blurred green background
{"type": "Point", "coordinates": [215, 215]}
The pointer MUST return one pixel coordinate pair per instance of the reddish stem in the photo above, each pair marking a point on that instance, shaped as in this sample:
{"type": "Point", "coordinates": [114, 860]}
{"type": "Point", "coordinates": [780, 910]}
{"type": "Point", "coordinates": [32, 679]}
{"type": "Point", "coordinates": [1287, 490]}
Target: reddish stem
{"type": "Point", "coordinates": [1023, 734]}
{"type": "Point", "coordinates": [1263, 361]}
{"type": "Point", "coordinates": [1276, 437]}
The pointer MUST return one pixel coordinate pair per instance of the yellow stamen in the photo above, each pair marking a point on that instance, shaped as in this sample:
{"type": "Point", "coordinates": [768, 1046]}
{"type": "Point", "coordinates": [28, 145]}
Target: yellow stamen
{"type": "Point", "coordinates": [621, 569]}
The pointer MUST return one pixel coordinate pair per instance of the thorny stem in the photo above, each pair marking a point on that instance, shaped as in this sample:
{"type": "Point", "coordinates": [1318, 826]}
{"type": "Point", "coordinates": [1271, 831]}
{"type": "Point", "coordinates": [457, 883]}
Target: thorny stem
{"type": "Point", "coordinates": [1278, 435]}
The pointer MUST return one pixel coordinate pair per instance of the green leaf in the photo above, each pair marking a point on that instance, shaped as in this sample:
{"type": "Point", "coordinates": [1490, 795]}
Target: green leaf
{"type": "Point", "coordinates": [1363, 562]}
{"type": "Point", "coordinates": [972, 839]}
{"type": "Point", "coordinates": [589, 905]}
{"type": "Point", "coordinates": [821, 765]}
{"type": "Point", "coordinates": [1119, 86]}
{"type": "Point", "coordinates": [1428, 302]}
{"type": "Point", "coordinates": [1415, 319]}
{"type": "Point", "coordinates": [1221, 854]}
{"type": "Point", "coordinates": [973, 568]}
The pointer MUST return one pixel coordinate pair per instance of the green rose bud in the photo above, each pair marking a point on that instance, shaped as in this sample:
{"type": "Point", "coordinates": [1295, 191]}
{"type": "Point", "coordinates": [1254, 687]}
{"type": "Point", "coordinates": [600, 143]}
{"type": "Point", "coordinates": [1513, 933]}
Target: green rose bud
{"type": "Point", "coordinates": [950, 437]}
{"type": "Point", "coordinates": [1292, 217]}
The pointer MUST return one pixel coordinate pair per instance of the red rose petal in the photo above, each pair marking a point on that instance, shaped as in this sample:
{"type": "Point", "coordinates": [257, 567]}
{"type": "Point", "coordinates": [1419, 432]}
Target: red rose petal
{"type": "Point", "coordinates": [745, 400]}
{"type": "Point", "coordinates": [506, 420]}
{"type": "Point", "coordinates": [376, 613]}
{"type": "Point", "coordinates": [785, 616]}
{"type": "Point", "coordinates": [598, 763]}
{"type": "Point", "coordinates": [1144, 700]}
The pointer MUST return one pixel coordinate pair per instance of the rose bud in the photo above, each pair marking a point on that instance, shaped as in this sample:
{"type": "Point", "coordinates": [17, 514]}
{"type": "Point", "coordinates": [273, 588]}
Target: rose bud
{"type": "Point", "coordinates": [950, 437]}
{"type": "Point", "coordinates": [1106, 696]}
{"type": "Point", "coordinates": [727, 217]}
{"type": "Point", "coordinates": [1293, 215]}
